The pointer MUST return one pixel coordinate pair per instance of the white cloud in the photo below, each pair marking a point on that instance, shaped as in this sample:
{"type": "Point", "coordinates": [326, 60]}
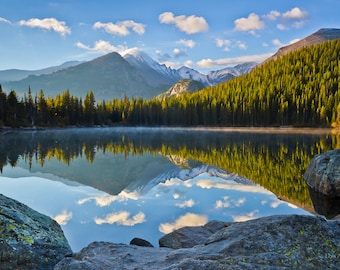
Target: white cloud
{"type": "Point", "coordinates": [209, 63]}
{"type": "Point", "coordinates": [101, 46]}
{"type": "Point", "coordinates": [48, 24]}
{"type": "Point", "coordinates": [229, 203]}
{"type": "Point", "coordinates": [4, 20]}
{"type": "Point", "coordinates": [122, 218]}
{"type": "Point", "coordinates": [188, 219]}
{"type": "Point", "coordinates": [294, 40]}
{"type": "Point", "coordinates": [187, 43]}
{"type": "Point", "coordinates": [277, 43]}
{"type": "Point", "coordinates": [189, 203]}
{"type": "Point", "coordinates": [63, 218]}
{"type": "Point", "coordinates": [227, 44]}
{"type": "Point", "coordinates": [295, 13]}
{"type": "Point", "coordinates": [245, 217]}
{"type": "Point", "coordinates": [190, 25]}
{"type": "Point", "coordinates": [106, 199]}
{"type": "Point", "coordinates": [223, 43]}
{"type": "Point", "coordinates": [249, 24]}
{"type": "Point", "coordinates": [179, 53]}
{"type": "Point", "coordinates": [281, 26]}
{"type": "Point", "coordinates": [273, 15]}
{"type": "Point", "coordinates": [241, 45]}
{"type": "Point", "coordinates": [121, 28]}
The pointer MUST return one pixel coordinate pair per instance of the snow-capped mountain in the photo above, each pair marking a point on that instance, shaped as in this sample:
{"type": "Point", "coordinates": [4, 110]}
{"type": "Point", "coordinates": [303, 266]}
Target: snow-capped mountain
{"type": "Point", "coordinates": [156, 73]}
{"type": "Point", "coordinates": [132, 74]}
{"type": "Point", "coordinates": [189, 73]}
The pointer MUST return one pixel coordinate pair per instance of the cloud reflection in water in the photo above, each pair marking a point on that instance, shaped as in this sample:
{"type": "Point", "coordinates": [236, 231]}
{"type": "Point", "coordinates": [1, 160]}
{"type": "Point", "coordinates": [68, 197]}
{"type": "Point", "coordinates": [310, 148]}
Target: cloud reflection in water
{"type": "Point", "coordinates": [87, 214]}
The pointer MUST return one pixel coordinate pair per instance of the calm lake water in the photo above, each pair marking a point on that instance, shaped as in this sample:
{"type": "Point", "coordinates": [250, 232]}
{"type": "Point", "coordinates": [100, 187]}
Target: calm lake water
{"type": "Point", "coordinates": [114, 184]}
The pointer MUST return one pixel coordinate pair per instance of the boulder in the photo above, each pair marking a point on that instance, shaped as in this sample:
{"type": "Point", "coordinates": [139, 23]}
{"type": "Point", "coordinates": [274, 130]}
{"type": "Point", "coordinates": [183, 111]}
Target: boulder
{"type": "Point", "coordinates": [187, 237]}
{"type": "Point", "coordinates": [28, 239]}
{"type": "Point", "coordinates": [275, 242]}
{"type": "Point", "coordinates": [323, 173]}
{"type": "Point", "coordinates": [140, 242]}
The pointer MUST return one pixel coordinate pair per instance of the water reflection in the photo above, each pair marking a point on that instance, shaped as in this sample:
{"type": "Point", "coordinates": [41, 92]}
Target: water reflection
{"type": "Point", "coordinates": [87, 214]}
{"type": "Point", "coordinates": [118, 183]}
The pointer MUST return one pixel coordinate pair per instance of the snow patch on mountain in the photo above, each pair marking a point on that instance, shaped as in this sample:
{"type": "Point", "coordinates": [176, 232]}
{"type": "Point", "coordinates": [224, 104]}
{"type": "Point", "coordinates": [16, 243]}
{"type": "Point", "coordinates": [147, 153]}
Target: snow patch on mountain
{"type": "Point", "coordinates": [145, 64]}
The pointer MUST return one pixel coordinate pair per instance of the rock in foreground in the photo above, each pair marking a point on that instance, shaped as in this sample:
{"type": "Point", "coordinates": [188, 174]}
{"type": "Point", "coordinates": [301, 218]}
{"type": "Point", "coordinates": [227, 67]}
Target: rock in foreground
{"type": "Point", "coordinates": [323, 173]}
{"type": "Point", "coordinates": [28, 239]}
{"type": "Point", "coordinates": [275, 242]}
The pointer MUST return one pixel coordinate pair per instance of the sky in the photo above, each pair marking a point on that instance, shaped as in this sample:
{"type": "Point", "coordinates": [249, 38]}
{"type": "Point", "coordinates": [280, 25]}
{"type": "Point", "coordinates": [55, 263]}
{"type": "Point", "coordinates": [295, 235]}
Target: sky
{"type": "Point", "coordinates": [201, 34]}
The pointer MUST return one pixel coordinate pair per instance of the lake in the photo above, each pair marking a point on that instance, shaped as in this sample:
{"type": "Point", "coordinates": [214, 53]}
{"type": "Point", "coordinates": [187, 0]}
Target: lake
{"type": "Point", "coordinates": [114, 184]}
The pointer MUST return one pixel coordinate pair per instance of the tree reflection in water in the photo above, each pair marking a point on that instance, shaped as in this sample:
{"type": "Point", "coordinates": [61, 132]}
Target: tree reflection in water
{"type": "Point", "coordinates": [275, 160]}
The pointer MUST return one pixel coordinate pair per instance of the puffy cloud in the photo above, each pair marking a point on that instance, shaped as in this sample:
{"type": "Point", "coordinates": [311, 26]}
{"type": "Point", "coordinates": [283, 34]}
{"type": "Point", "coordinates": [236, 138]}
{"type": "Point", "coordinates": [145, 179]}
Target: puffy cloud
{"type": "Point", "coordinates": [187, 43]}
{"type": "Point", "coordinates": [295, 13]}
{"type": "Point", "coordinates": [101, 46]}
{"type": "Point", "coordinates": [209, 63]}
{"type": "Point", "coordinates": [189, 219]}
{"type": "Point", "coordinates": [190, 25]}
{"type": "Point", "coordinates": [179, 53]}
{"type": "Point", "coordinates": [121, 28]}
{"type": "Point", "coordinates": [122, 218]}
{"type": "Point", "coordinates": [223, 43]}
{"type": "Point", "coordinates": [273, 15]}
{"type": "Point", "coordinates": [63, 218]}
{"type": "Point", "coordinates": [3, 20]}
{"type": "Point", "coordinates": [106, 199]}
{"type": "Point", "coordinates": [249, 24]}
{"type": "Point", "coordinates": [227, 44]}
{"type": "Point", "coordinates": [48, 24]}
{"type": "Point", "coordinates": [228, 203]}
{"type": "Point", "coordinates": [189, 203]}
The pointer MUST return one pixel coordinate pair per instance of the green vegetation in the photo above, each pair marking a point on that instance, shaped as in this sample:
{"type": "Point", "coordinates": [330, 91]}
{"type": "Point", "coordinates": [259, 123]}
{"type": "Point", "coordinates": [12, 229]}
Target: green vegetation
{"type": "Point", "coordinates": [298, 89]}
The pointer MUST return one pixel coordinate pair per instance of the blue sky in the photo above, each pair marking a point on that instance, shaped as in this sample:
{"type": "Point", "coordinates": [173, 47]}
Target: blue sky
{"type": "Point", "coordinates": [204, 35]}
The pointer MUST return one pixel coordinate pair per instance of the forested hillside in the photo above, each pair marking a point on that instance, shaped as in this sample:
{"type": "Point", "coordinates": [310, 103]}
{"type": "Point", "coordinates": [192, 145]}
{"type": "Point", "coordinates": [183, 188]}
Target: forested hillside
{"type": "Point", "coordinates": [298, 89]}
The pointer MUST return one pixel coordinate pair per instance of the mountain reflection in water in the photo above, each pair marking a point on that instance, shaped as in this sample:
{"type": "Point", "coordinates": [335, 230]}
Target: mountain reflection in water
{"type": "Point", "coordinates": [114, 184]}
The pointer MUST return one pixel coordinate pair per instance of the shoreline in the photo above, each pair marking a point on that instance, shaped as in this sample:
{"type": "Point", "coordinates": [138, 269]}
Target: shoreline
{"type": "Point", "coordinates": [261, 130]}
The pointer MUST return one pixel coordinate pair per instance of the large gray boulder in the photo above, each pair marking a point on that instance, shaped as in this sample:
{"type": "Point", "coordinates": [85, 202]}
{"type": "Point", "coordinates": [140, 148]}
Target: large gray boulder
{"type": "Point", "coordinates": [275, 242]}
{"type": "Point", "coordinates": [28, 239]}
{"type": "Point", "coordinates": [323, 173]}
{"type": "Point", "coordinates": [188, 237]}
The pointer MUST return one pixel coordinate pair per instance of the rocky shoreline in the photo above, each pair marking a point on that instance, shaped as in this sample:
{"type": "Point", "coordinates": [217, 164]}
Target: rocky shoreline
{"type": "Point", "coordinates": [30, 240]}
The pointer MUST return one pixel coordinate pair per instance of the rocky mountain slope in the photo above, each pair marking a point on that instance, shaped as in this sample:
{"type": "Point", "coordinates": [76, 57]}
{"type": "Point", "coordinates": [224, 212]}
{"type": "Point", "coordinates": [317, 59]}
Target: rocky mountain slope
{"type": "Point", "coordinates": [316, 38]}
{"type": "Point", "coordinates": [182, 86]}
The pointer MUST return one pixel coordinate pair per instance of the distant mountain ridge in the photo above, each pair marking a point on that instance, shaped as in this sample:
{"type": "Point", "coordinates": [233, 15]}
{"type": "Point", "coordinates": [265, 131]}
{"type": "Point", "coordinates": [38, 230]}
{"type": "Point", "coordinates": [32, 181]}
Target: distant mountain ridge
{"type": "Point", "coordinates": [318, 37]}
{"type": "Point", "coordinates": [133, 74]}
{"type": "Point", "coordinates": [19, 74]}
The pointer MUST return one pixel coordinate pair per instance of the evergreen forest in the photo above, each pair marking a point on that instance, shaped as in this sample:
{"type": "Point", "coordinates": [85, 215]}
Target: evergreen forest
{"type": "Point", "coordinates": [298, 89]}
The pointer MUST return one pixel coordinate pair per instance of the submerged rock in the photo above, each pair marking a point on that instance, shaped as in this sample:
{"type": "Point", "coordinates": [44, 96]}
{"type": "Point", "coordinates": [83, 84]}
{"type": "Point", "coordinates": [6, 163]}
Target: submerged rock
{"type": "Point", "coordinates": [28, 239]}
{"type": "Point", "coordinates": [323, 173]}
{"type": "Point", "coordinates": [275, 242]}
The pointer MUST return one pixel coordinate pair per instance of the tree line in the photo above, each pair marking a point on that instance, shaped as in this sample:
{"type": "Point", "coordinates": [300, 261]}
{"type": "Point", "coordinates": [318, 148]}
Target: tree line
{"type": "Point", "coordinates": [298, 89]}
